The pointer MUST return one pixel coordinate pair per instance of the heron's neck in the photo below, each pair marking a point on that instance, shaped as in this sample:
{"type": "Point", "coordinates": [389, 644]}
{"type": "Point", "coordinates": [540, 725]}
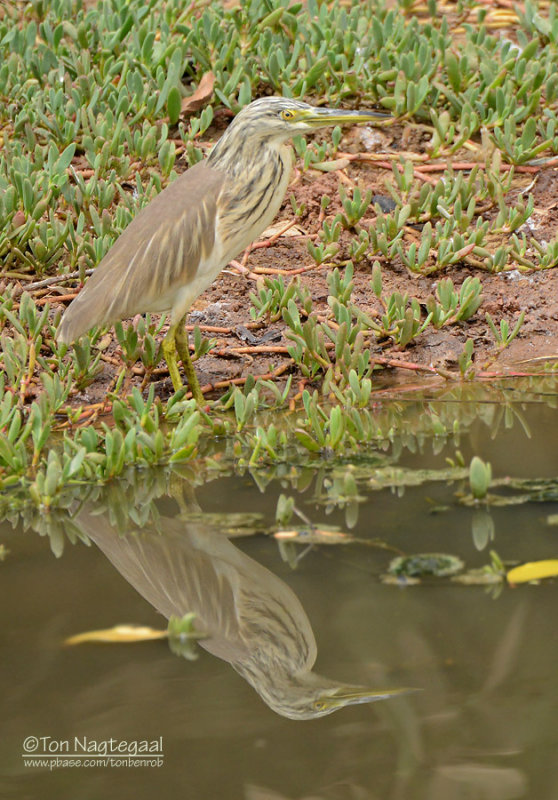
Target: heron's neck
{"type": "Point", "coordinates": [257, 177]}
{"type": "Point", "coordinates": [241, 156]}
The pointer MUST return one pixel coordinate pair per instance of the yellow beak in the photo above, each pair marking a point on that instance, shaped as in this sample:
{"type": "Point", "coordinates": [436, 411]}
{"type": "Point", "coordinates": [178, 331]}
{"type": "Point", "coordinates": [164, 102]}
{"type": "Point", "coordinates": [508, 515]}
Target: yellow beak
{"type": "Point", "coordinates": [322, 117]}
{"type": "Point", "coordinates": [348, 695]}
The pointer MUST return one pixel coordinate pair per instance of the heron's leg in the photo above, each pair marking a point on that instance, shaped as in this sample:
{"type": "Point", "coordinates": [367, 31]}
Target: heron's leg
{"type": "Point", "coordinates": [184, 353]}
{"type": "Point", "coordinates": [169, 351]}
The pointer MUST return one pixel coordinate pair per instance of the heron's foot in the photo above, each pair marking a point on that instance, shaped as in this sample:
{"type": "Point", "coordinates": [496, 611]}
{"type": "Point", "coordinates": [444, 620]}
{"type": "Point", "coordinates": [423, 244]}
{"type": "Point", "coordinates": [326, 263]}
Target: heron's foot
{"type": "Point", "coordinates": [169, 351]}
{"type": "Point", "coordinates": [184, 353]}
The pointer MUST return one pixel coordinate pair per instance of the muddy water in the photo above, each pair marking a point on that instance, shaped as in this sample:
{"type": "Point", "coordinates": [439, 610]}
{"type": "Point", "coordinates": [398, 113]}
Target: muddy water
{"type": "Point", "coordinates": [482, 726]}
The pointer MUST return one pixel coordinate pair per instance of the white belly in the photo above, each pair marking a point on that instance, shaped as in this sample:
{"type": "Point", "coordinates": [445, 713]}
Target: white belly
{"type": "Point", "coordinates": [208, 270]}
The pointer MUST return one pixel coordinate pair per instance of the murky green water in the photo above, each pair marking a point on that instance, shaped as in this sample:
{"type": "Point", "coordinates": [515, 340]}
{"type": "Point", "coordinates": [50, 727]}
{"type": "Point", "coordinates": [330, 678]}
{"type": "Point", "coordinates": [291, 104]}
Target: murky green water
{"type": "Point", "coordinates": [483, 724]}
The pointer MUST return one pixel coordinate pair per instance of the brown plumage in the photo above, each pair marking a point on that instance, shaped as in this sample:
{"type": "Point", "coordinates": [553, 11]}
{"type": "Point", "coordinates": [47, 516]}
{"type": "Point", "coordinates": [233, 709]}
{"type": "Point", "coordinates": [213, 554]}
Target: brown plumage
{"type": "Point", "coordinates": [157, 254]}
{"type": "Point", "coordinates": [251, 618]}
{"type": "Point", "coordinates": [176, 246]}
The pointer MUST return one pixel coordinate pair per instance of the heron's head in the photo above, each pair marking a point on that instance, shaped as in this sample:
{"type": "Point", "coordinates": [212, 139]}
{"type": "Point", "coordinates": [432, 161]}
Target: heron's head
{"type": "Point", "coordinates": [310, 695]}
{"type": "Point", "coordinates": [332, 699]}
{"type": "Point", "coordinates": [278, 118]}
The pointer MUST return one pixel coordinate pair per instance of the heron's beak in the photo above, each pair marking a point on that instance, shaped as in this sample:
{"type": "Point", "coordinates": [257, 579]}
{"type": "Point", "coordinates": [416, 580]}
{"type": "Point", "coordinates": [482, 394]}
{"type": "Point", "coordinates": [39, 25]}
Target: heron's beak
{"type": "Point", "coordinates": [351, 695]}
{"type": "Point", "coordinates": [322, 117]}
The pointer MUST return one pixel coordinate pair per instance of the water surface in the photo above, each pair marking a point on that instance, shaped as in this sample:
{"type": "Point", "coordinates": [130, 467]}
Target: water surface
{"type": "Point", "coordinates": [483, 724]}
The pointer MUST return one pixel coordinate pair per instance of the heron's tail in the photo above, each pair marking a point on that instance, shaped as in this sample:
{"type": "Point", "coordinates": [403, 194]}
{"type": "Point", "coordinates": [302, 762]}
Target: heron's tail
{"type": "Point", "coordinates": [77, 319]}
{"type": "Point", "coordinates": [82, 314]}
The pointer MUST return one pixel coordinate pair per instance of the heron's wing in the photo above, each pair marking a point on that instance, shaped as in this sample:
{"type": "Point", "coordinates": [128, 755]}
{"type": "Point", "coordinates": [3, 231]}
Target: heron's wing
{"type": "Point", "coordinates": [241, 605]}
{"type": "Point", "coordinates": [159, 251]}
{"type": "Point", "coordinates": [174, 573]}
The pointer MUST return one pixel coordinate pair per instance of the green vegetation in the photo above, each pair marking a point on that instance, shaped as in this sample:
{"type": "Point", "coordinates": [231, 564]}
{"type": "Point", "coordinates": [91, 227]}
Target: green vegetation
{"type": "Point", "coordinates": [420, 564]}
{"type": "Point", "coordinates": [94, 120]}
{"type": "Point", "coordinates": [336, 459]}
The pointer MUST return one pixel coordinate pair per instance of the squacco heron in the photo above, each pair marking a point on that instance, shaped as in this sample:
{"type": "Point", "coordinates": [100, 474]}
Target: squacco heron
{"type": "Point", "coordinates": [176, 246]}
{"type": "Point", "coordinates": [251, 618]}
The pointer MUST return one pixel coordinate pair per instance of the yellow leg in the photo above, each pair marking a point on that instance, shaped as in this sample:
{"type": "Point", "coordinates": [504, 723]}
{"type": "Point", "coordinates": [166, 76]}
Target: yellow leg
{"type": "Point", "coordinates": [176, 341]}
{"type": "Point", "coordinates": [169, 352]}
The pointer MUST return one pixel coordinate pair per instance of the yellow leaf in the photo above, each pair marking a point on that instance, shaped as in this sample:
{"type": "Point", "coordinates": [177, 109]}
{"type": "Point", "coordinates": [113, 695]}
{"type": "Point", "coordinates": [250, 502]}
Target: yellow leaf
{"type": "Point", "coordinates": [533, 571]}
{"type": "Point", "coordinates": [120, 633]}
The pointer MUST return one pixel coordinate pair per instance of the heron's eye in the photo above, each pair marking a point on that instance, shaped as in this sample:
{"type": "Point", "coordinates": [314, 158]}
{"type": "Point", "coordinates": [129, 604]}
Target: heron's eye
{"type": "Point", "coordinates": [287, 114]}
{"type": "Point", "coordinates": [319, 705]}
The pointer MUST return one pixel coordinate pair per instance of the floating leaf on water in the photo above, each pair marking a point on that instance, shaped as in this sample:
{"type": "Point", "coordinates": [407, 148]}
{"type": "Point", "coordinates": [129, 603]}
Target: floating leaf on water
{"type": "Point", "coordinates": [388, 476]}
{"type": "Point", "coordinates": [399, 580]}
{"type": "Point", "coordinates": [496, 500]}
{"type": "Point", "coordinates": [538, 490]}
{"type": "Point", "coordinates": [478, 577]}
{"type": "Point", "coordinates": [533, 571]}
{"type": "Point", "coordinates": [231, 524]}
{"type": "Point", "coordinates": [315, 536]}
{"type": "Point", "coordinates": [438, 564]}
{"type": "Point", "coordinates": [117, 635]}
{"type": "Point", "coordinates": [437, 509]}
{"type": "Point", "coordinates": [328, 535]}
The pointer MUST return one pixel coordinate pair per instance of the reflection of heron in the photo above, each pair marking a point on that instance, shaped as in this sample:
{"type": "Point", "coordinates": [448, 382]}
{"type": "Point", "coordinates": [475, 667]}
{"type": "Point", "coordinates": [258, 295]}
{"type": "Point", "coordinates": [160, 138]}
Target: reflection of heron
{"type": "Point", "coordinates": [252, 618]}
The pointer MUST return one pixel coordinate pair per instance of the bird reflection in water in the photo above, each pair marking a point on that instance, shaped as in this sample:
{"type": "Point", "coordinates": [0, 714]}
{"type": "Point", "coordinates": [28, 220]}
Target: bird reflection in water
{"type": "Point", "coordinates": [251, 618]}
